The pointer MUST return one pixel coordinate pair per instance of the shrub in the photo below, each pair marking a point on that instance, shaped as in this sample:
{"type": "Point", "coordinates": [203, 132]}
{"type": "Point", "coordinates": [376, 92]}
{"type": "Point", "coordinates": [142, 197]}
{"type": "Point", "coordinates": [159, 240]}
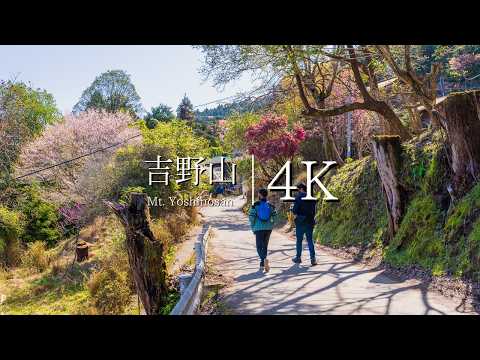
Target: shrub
{"type": "Point", "coordinates": [36, 257]}
{"type": "Point", "coordinates": [151, 123]}
{"type": "Point", "coordinates": [109, 290]}
{"type": "Point", "coordinates": [41, 218]}
{"type": "Point", "coordinates": [11, 229]}
{"type": "Point", "coordinates": [177, 225]}
{"type": "Point", "coordinates": [161, 231]}
{"type": "Point", "coordinates": [125, 193]}
{"type": "Point", "coordinates": [193, 214]}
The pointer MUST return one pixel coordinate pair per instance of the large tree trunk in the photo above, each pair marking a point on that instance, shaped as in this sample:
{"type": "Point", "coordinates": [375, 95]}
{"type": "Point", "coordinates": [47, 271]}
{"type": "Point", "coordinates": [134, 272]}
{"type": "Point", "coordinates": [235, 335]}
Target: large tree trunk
{"type": "Point", "coordinates": [462, 124]}
{"type": "Point", "coordinates": [145, 253]}
{"type": "Point", "coordinates": [329, 146]}
{"type": "Point", "coordinates": [387, 151]}
{"type": "Point", "coordinates": [328, 142]}
{"type": "Point", "coordinates": [393, 124]}
{"type": "Point", "coordinates": [416, 121]}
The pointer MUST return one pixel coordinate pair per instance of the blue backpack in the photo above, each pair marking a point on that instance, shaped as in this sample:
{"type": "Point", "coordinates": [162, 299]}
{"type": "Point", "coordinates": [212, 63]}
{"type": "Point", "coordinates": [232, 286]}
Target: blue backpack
{"type": "Point", "coordinates": [264, 211]}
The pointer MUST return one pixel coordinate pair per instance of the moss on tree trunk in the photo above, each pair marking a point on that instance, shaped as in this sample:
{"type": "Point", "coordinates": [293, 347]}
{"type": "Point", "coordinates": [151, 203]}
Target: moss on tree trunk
{"type": "Point", "coordinates": [462, 124]}
{"type": "Point", "coordinates": [145, 253]}
{"type": "Point", "coordinates": [387, 152]}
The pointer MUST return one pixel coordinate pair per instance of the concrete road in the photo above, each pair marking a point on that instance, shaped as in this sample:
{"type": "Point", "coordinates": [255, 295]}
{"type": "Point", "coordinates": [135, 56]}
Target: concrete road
{"type": "Point", "coordinates": [335, 286]}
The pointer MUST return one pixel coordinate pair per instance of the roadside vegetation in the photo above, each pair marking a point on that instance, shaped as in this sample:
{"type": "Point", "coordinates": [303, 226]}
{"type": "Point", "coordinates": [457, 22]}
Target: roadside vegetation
{"type": "Point", "coordinates": [345, 99]}
{"type": "Point", "coordinates": [381, 112]}
{"type": "Point", "coordinates": [43, 216]}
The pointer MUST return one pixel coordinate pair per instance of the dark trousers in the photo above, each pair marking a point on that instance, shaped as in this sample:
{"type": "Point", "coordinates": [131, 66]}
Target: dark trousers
{"type": "Point", "coordinates": [307, 230]}
{"type": "Point", "coordinates": [261, 238]}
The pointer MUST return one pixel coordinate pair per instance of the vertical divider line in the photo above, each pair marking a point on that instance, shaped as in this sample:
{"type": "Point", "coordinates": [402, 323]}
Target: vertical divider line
{"type": "Point", "coordinates": [253, 179]}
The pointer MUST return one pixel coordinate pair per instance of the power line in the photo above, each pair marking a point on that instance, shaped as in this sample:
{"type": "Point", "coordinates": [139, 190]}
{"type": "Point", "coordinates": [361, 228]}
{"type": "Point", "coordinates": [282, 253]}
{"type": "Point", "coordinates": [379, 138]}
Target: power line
{"type": "Point", "coordinates": [105, 148]}
{"type": "Point", "coordinates": [76, 158]}
{"type": "Point", "coordinates": [215, 101]}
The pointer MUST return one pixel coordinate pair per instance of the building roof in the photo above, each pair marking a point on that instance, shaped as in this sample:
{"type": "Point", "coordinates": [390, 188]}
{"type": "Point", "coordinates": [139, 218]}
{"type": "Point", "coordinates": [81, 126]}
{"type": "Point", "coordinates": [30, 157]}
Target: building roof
{"type": "Point", "coordinates": [218, 160]}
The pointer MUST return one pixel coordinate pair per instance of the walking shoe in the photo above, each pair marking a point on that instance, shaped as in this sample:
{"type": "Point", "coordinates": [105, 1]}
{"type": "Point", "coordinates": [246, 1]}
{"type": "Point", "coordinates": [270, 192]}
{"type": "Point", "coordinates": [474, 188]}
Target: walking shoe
{"type": "Point", "coordinates": [296, 260]}
{"type": "Point", "coordinates": [267, 266]}
{"type": "Point", "coordinates": [313, 262]}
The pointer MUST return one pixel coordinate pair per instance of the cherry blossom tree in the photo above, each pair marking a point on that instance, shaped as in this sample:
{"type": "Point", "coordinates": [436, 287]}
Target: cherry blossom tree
{"type": "Point", "coordinates": [75, 136]}
{"type": "Point", "coordinates": [461, 64]}
{"type": "Point", "coordinates": [272, 142]}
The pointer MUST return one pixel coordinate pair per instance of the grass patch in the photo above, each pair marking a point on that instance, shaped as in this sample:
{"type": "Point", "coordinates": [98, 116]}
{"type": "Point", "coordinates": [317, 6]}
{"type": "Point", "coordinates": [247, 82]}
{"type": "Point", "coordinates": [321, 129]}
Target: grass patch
{"type": "Point", "coordinates": [360, 217]}
{"type": "Point", "coordinates": [47, 294]}
{"type": "Point", "coordinates": [419, 239]}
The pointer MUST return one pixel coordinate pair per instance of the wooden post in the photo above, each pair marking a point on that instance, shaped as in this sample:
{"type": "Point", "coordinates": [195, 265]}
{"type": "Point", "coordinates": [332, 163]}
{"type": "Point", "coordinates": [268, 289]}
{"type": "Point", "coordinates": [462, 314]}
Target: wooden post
{"type": "Point", "coordinates": [387, 152]}
{"type": "Point", "coordinates": [145, 253]}
{"type": "Point", "coordinates": [462, 125]}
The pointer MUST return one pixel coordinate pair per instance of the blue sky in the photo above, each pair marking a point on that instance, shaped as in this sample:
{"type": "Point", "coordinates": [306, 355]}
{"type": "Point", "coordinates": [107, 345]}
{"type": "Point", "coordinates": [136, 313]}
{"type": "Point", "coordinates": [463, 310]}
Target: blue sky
{"type": "Point", "coordinates": [160, 73]}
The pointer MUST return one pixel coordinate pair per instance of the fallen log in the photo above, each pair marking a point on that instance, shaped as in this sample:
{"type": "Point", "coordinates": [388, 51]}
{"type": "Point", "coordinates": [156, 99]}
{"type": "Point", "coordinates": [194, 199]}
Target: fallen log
{"type": "Point", "coordinates": [145, 253]}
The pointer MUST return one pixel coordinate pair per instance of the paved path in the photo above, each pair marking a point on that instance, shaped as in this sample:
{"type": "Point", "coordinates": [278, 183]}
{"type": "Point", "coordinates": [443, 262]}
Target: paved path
{"type": "Point", "coordinates": [185, 250]}
{"type": "Point", "coordinates": [335, 286]}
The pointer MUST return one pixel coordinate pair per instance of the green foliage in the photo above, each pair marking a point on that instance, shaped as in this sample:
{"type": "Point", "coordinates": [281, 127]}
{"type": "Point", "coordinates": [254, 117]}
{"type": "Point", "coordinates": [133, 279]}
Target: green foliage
{"type": "Point", "coordinates": [428, 236]}
{"type": "Point", "coordinates": [464, 254]}
{"type": "Point", "coordinates": [24, 113]}
{"type": "Point", "coordinates": [11, 229]}
{"type": "Point", "coordinates": [172, 298]}
{"type": "Point", "coordinates": [36, 256]}
{"type": "Point", "coordinates": [237, 124]}
{"type": "Point", "coordinates": [359, 218]}
{"type": "Point", "coordinates": [35, 108]}
{"type": "Point", "coordinates": [423, 161]}
{"type": "Point", "coordinates": [425, 55]}
{"type": "Point", "coordinates": [185, 109]}
{"type": "Point", "coordinates": [41, 218]}
{"type": "Point", "coordinates": [151, 123]}
{"type": "Point", "coordinates": [217, 151]}
{"type": "Point", "coordinates": [463, 212]}
{"type": "Point", "coordinates": [46, 295]}
{"type": "Point", "coordinates": [177, 138]}
{"type": "Point", "coordinates": [223, 111]}
{"type": "Point", "coordinates": [161, 112]}
{"type": "Point", "coordinates": [128, 171]}
{"type": "Point", "coordinates": [109, 290]}
{"type": "Point", "coordinates": [111, 91]}
{"type": "Point", "coordinates": [172, 140]}
{"type": "Point", "coordinates": [419, 239]}
{"type": "Point", "coordinates": [462, 235]}
{"type": "Point", "coordinates": [125, 193]}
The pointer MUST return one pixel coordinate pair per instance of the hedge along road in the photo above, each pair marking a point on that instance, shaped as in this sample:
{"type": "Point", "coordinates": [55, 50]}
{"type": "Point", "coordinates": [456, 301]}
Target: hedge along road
{"type": "Point", "coordinates": [334, 286]}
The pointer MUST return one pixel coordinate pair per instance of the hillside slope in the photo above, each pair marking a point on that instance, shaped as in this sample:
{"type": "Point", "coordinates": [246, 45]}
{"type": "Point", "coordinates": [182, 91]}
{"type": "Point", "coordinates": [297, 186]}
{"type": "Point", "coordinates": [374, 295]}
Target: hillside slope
{"type": "Point", "coordinates": [436, 234]}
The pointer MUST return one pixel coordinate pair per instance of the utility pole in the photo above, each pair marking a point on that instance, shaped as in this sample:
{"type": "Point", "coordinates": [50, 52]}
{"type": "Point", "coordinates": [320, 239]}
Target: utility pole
{"type": "Point", "coordinates": [442, 86]}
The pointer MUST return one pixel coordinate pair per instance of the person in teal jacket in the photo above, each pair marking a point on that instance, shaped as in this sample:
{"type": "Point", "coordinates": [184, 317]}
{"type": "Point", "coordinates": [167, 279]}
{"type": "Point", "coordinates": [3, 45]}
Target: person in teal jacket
{"type": "Point", "coordinates": [262, 216]}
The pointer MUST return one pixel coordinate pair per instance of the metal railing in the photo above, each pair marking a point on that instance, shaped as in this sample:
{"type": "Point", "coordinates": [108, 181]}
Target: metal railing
{"type": "Point", "coordinates": [191, 295]}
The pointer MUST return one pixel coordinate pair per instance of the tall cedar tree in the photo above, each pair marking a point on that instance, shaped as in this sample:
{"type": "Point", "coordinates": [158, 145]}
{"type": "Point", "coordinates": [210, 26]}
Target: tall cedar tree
{"type": "Point", "coordinates": [185, 109]}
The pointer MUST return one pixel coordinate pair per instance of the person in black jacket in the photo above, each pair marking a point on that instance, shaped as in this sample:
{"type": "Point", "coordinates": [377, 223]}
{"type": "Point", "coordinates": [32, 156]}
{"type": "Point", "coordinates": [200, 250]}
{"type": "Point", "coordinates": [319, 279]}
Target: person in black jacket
{"type": "Point", "coordinates": [304, 223]}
